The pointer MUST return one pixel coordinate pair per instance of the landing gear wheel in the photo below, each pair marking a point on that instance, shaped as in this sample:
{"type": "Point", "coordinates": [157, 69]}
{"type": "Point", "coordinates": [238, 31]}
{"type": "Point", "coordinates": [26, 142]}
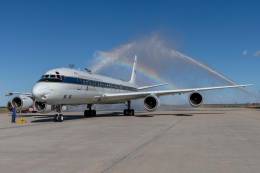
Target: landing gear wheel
{"type": "Point", "coordinates": [55, 118]}
{"type": "Point", "coordinates": [58, 118]}
{"type": "Point", "coordinates": [93, 113]}
{"type": "Point", "coordinates": [132, 112]}
{"type": "Point", "coordinates": [86, 113]}
{"type": "Point", "coordinates": [90, 113]}
{"type": "Point", "coordinates": [61, 118]}
{"type": "Point", "coordinates": [129, 112]}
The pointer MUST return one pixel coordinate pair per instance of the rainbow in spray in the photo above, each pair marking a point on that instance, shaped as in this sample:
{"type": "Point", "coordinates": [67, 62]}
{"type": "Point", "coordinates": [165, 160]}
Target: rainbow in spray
{"type": "Point", "coordinates": [157, 54]}
{"type": "Point", "coordinates": [146, 71]}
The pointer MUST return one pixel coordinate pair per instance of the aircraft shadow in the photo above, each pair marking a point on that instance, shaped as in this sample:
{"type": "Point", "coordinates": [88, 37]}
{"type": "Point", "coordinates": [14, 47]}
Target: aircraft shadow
{"type": "Point", "coordinates": [185, 114]}
{"type": "Point", "coordinates": [50, 118]}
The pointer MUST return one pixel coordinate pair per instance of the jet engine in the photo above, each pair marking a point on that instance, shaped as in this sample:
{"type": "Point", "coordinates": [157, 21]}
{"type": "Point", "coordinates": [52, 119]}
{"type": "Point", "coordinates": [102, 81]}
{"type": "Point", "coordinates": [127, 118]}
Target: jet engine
{"type": "Point", "coordinates": [22, 103]}
{"type": "Point", "coordinates": [9, 106]}
{"type": "Point", "coordinates": [151, 103]}
{"type": "Point", "coordinates": [196, 99]}
{"type": "Point", "coordinates": [43, 107]}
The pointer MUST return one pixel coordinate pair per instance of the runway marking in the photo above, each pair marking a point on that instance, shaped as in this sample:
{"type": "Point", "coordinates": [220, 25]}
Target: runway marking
{"type": "Point", "coordinates": [138, 148]}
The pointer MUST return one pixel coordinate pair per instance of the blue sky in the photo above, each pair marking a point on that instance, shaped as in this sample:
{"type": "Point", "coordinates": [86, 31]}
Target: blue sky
{"type": "Point", "coordinates": [38, 35]}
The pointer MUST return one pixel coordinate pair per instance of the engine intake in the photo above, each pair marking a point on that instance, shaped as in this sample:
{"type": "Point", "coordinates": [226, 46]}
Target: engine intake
{"type": "Point", "coordinates": [151, 103]}
{"type": "Point", "coordinates": [195, 99]}
{"type": "Point", "coordinates": [43, 107]}
{"type": "Point", "coordinates": [22, 103]}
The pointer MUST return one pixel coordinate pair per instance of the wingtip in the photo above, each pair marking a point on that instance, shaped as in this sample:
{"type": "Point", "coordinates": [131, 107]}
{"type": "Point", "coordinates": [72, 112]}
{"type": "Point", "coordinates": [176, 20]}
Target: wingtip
{"type": "Point", "coordinates": [245, 85]}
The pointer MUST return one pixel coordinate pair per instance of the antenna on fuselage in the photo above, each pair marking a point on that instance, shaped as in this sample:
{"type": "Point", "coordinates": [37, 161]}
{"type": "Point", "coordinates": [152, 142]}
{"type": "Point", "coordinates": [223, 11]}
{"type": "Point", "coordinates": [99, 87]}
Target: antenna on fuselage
{"type": "Point", "coordinates": [87, 70]}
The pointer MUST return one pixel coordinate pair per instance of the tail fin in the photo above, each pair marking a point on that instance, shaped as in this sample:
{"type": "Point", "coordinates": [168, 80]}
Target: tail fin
{"type": "Point", "coordinates": [133, 76]}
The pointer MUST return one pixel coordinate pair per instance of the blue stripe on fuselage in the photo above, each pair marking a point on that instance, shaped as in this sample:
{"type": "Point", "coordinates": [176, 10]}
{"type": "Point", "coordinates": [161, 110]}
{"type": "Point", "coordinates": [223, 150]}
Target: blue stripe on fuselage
{"type": "Point", "coordinates": [80, 81]}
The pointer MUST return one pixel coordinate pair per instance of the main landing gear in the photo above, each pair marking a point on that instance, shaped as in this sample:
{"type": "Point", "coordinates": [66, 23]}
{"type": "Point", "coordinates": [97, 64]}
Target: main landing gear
{"type": "Point", "coordinates": [59, 116]}
{"type": "Point", "coordinates": [89, 112]}
{"type": "Point", "coordinates": [129, 111]}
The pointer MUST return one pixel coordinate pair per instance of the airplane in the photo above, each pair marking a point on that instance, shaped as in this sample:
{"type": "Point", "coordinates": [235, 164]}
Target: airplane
{"type": "Point", "coordinates": [66, 86]}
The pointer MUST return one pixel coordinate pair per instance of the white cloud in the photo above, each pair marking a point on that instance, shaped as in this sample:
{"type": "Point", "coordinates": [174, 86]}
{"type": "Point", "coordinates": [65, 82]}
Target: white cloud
{"type": "Point", "coordinates": [257, 53]}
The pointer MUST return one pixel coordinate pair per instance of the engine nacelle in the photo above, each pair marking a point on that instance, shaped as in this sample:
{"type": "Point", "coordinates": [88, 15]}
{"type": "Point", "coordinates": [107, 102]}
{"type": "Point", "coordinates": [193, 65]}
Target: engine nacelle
{"type": "Point", "coordinates": [151, 103]}
{"type": "Point", "coordinates": [9, 106]}
{"type": "Point", "coordinates": [43, 107]}
{"type": "Point", "coordinates": [195, 99]}
{"type": "Point", "coordinates": [22, 103]}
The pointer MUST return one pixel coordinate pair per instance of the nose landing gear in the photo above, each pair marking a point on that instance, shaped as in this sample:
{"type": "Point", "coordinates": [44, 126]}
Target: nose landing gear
{"type": "Point", "coordinates": [59, 116]}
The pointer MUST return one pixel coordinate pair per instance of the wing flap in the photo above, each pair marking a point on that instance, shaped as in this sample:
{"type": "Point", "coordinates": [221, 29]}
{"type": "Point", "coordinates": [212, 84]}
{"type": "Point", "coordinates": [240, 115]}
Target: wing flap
{"type": "Point", "coordinates": [152, 86]}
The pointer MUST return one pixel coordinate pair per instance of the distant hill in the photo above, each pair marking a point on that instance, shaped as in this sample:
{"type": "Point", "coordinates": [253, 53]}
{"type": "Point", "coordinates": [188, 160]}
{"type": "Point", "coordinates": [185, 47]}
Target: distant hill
{"type": "Point", "coordinates": [251, 105]}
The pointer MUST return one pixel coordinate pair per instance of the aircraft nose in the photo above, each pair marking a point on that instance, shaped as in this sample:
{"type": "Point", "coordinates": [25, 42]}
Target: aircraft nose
{"type": "Point", "coordinates": [40, 92]}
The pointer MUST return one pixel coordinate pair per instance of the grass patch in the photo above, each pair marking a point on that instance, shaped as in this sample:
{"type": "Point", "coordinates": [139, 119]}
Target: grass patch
{"type": "Point", "coordinates": [3, 110]}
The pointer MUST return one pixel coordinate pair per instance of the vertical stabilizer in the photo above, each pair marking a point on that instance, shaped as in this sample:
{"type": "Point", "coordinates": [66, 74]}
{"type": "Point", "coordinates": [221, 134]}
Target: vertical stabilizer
{"type": "Point", "coordinates": [133, 76]}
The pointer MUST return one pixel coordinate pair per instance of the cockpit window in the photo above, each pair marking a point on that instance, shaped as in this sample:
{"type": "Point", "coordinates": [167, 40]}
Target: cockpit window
{"type": "Point", "coordinates": [51, 78]}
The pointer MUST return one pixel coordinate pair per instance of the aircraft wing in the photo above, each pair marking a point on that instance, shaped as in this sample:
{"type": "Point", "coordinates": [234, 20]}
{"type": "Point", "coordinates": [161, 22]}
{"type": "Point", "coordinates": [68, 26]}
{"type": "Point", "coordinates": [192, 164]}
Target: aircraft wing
{"type": "Point", "coordinates": [137, 95]}
{"type": "Point", "coordinates": [18, 93]}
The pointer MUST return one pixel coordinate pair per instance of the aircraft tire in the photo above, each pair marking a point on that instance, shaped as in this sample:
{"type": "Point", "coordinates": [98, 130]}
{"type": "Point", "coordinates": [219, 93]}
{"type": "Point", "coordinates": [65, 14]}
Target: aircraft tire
{"type": "Point", "coordinates": [132, 112]}
{"type": "Point", "coordinates": [129, 112]}
{"type": "Point", "coordinates": [86, 113]}
{"type": "Point", "coordinates": [93, 112]}
{"type": "Point", "coordinates": [90, 113]}
{"type": "Point", "coordinates": [60, 118]}
{"type": "Point", "coordinates": [55, 119]}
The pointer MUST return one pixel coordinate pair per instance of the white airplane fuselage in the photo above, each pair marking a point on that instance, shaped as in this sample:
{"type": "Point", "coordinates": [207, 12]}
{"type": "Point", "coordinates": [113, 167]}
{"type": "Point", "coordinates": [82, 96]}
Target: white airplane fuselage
{"type": "Point", "coordinates": [66, 86]}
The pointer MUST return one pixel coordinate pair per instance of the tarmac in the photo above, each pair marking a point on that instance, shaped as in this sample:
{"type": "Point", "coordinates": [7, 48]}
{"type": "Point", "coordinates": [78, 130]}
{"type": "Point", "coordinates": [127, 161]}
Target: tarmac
{"type": "Point", "coordinates": [183, 141]}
